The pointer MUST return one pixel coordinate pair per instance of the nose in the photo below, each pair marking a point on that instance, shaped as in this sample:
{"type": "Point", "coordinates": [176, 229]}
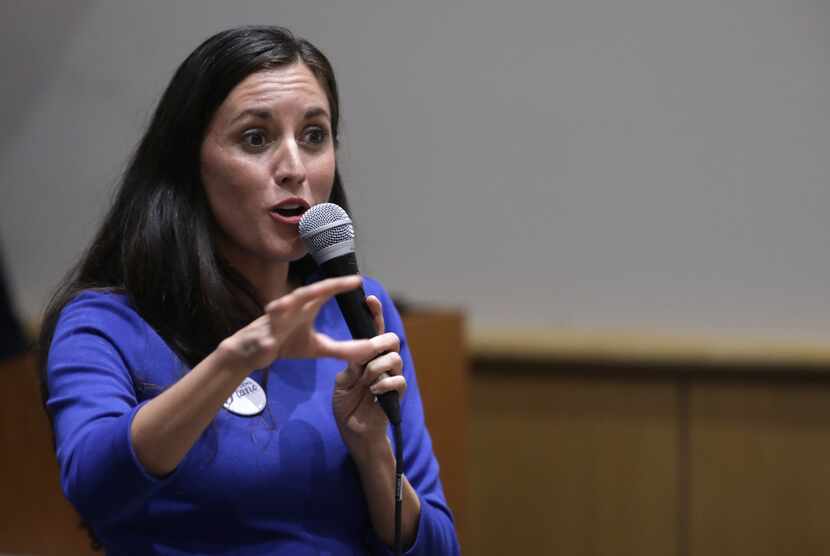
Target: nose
{"type": "Point", "coordinates": [289, 168]}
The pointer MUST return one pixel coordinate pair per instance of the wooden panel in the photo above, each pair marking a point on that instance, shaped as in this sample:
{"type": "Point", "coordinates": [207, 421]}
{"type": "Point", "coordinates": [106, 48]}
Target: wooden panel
{"type": "Point", "coordinates": [35, 518]}
{"type": "Point", "coordinates": [760, 469]}
{"type": "Point", "coordinates": [438, 346]}
{"type": "Point", "coordinates": [573, 466]}
{"type": "Point", "coordinates": [649, 347]}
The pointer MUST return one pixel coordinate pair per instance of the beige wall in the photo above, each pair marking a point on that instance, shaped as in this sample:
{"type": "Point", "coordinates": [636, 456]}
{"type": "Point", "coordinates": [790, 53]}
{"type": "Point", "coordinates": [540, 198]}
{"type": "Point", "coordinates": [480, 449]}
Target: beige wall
{"type": "Point", "coordinates": [650, 163]}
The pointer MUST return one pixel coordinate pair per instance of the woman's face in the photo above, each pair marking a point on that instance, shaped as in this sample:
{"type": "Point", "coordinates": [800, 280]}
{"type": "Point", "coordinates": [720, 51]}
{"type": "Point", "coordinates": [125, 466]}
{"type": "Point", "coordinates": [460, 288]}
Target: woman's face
{"type": "Point", "coordinates": [267, 156]}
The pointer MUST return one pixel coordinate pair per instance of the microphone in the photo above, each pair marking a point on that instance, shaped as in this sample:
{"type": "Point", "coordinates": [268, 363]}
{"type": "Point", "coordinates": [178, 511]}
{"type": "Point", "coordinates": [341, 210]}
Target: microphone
{"type": "Point", "coordinates": [328, 234]}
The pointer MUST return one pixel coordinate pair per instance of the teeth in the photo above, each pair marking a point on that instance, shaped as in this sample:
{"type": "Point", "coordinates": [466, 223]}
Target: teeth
{"type": "Point", "coordinates": [290, 206]}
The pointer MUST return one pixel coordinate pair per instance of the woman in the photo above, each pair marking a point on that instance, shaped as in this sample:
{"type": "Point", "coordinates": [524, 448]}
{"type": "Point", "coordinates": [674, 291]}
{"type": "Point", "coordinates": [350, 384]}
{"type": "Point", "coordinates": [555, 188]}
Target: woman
{"type": "Point", "coordinates": [196, 283]}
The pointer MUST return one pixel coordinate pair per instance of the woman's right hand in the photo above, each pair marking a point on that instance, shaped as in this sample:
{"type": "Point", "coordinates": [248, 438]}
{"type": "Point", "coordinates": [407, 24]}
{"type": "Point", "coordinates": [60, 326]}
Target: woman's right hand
{"type": "Point", "coordinates": [286, 330]}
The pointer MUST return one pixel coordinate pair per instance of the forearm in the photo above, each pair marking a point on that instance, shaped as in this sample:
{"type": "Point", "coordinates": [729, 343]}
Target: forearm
{"type": "Point", "coordinates": [167, 427]}
{"type": "Point", "coordinates": [377, 475]}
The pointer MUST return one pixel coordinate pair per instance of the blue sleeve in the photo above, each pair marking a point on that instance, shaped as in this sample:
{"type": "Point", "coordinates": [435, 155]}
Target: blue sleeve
{"type": "Point", "coordinates": [436, 530]}
{"type": "Point", "coordinates": [92, 400]}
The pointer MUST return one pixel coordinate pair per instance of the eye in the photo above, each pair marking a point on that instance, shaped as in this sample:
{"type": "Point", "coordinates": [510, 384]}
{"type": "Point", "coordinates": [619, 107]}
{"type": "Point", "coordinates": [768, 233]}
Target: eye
{"type": "Point", "coordinates": [255, 139]}
{"type": "Point", "coordinates": [315, 135]}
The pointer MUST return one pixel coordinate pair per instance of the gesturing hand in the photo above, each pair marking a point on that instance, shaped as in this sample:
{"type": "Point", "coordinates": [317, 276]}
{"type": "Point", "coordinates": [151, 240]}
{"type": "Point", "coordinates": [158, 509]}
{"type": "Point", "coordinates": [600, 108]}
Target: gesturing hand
{"type": "Point", "coordinates": [286, 330]}
{"type": "Point", "coordinates": [361, 421]}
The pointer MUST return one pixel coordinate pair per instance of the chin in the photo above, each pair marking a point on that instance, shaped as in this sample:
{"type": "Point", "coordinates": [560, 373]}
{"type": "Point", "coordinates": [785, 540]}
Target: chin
{"type": "Point", "coordinates": [284, 251]}
{"type": "Point", "coordinates": [289, 255]}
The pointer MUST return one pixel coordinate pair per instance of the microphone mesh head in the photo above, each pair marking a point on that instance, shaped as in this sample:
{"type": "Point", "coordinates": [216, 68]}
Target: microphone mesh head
{"type": "Point", "coordinates": [325, 225]}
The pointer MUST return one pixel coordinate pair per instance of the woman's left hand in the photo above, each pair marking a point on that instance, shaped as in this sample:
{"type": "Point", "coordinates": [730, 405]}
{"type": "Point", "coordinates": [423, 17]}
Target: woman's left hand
{"type": "Point", "coordinates": [361, 420]}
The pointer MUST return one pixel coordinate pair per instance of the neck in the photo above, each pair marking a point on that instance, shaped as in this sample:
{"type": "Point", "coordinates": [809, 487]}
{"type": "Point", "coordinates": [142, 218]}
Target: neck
{"type": "Point", "coordinates": [270, 281]}
{"type": "Point", "coordinates": [269, 278]}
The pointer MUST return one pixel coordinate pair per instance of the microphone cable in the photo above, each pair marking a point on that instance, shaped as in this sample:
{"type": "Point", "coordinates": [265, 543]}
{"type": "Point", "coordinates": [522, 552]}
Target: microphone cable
{"type": "Point", "coordinates": [398, 485]}
{"type": "Point", "coordinates": [328, 233]}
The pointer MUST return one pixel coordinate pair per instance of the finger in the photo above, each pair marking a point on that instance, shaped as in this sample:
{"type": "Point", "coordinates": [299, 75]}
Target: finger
{"type": "Point", "coordinates": [389, 384]}
{"type": "Point", "coordinates": [318, 290]}
{"type": "Point", "coordinates": [389, 364]}
{"type": "Point", "coordinates": [383, 344]}
{"type": "Point", "coordinates": [348, 377]}
{"type": "Point", "coordinates": [289, 313]}
{"type": "Point", "coordinates": [386, 343]}
{"type": "Point", "coordinates": [311, 308]}
{"type": "Point", "coordinates": [376, 308]}
{"type": "Point", "coordinates": [355, 351]}
{"type": "Point", "coordinates": [255, 325]}
{"type": "Point", "coordinates": [327, 288]}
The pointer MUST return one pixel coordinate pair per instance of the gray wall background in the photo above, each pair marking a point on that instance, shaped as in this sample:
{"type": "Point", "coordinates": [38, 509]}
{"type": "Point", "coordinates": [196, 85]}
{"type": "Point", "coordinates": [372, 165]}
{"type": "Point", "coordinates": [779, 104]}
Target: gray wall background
{"type": "Point", "coordinates": [648, 164]}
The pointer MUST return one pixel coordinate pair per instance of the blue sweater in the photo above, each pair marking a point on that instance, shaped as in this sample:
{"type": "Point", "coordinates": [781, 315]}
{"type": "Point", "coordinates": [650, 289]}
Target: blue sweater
{"type": "Point", "coordinates": [281, 482]}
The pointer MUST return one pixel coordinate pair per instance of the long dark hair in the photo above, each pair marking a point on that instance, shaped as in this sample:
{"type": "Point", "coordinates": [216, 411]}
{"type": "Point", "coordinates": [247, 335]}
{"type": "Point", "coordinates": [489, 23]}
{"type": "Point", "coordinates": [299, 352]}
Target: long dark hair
{"type": "Point", "coordinates": [156, 243]}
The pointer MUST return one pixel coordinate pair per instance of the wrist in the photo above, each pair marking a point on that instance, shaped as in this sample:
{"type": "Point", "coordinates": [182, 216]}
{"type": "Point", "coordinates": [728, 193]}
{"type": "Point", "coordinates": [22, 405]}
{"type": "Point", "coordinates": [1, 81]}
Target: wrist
{"type": "Point", "coordinates": [373, 454]}
{"type": "Point", "coordinates": [228, 359]}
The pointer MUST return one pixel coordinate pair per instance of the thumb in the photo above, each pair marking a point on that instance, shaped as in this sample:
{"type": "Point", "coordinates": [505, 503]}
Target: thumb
{"type": "Point", "coordinates": [348, 377]}
{"type": "Point", "coordinates": [376, 308]}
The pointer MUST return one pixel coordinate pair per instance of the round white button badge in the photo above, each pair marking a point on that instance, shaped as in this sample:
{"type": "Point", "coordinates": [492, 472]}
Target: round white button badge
{"type": "Point", "coordinates": [247, 400]}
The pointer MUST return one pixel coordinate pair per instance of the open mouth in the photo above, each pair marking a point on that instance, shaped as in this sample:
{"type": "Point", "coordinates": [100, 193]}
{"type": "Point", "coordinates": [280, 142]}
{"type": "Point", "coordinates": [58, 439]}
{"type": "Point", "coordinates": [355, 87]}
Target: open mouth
{"type": "Point", "coordinates": [290, 208]}
{"type": "Point", "coordinates": [289, 212]}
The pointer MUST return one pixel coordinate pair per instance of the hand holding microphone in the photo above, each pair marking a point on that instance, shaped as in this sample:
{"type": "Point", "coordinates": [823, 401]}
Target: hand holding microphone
{"type": "Point", "coordinates": [328, 234]}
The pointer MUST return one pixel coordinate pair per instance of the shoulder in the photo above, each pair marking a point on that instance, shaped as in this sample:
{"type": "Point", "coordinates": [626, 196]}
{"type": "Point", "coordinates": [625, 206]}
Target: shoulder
{"type": "Point", "coordinates": [105, 310]}
{"type": "Point", "coordinates": [103, 326]}
{"type": "Point", "coordinates": [95, 316]}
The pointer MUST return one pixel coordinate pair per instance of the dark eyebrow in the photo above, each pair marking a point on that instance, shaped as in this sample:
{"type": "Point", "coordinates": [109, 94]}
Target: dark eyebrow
{"type": "Point", "coordinates": [259, 113]}
{"type": "Point", "coordinates": [263, 114]}
{"type": "Point", "coordinates": [316, 111]}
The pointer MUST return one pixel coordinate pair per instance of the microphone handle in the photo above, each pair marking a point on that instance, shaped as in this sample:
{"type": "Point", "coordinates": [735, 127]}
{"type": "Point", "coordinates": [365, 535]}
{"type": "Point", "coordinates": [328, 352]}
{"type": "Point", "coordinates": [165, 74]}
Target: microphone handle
{"type": "Point", "coordinates": [359, 320]}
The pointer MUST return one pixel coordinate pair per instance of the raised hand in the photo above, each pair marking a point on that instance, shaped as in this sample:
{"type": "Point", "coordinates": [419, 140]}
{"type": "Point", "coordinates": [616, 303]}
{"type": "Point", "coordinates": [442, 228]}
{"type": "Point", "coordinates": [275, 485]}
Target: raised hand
{"type": "Point", "coordinates": [286, 330]}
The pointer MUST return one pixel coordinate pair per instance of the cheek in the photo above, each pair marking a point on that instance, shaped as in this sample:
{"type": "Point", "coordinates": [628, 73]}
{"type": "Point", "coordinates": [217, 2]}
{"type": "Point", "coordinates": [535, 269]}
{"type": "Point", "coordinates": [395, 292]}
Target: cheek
{"type": "Point", "coordinates": [214, 174]}
{"type": "Point", "coordinates": [228, 180]}
{"type": "Point", "coordinates": [321, 177]}
{"type": "Point", "coordinates": [231, 189]}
